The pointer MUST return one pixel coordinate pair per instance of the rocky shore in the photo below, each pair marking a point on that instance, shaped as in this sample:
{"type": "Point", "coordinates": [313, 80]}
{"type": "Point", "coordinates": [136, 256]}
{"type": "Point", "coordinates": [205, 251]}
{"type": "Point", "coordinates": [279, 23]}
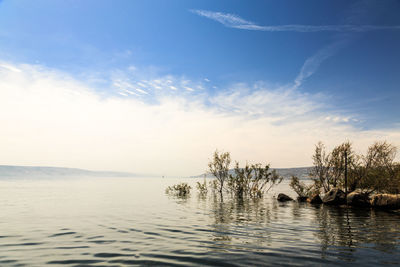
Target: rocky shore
{"type": "Point", "coordinates": [336, 197]}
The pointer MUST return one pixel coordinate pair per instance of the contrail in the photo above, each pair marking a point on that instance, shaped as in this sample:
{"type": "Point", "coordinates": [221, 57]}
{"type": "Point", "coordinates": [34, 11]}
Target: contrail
{"type": "Point", "coordinates": [234, 21]}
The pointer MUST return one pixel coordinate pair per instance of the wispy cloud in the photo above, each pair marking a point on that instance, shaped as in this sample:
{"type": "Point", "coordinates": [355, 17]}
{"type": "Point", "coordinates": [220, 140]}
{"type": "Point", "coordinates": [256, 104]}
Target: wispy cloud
{"type": "Point", "coordinates": [9, 67]}
{"type": "Point", "coordinates": [150, 86]}
{"type": "Point", "coordinates": [52, 118]}
{"type": "Point", "coordinates": [312, 63]}
{"type": "Point", "coordinates": [234, 21]}
{"type": "Point", "coordinates": [358, 12]}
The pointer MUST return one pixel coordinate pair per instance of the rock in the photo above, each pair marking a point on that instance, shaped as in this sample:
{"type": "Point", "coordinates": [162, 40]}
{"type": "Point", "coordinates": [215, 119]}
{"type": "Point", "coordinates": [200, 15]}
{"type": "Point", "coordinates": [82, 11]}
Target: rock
{"type": "Point", "coordinates": [334, 197]}
{"type": "Point", "coordinates": [302, 199]}
{"type": "Point", "coordinates": [358, 199]}
{"type": "Point", "coordinates": [283, 197]}
{"type": "Point", "coordinates": [314, 199]}
{"type": "Point", "coordinates": [386, 201]}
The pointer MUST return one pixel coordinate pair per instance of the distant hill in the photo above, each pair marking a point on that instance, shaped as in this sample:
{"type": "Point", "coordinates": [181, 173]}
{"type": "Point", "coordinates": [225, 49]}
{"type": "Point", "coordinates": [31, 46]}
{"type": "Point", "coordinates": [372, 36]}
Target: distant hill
{"type": "Point", "coordinates": [28, 171]}
{"type": "Point", "coordinates": [8, 171]}
{"type": "Point", "coordinates": [302, 172]}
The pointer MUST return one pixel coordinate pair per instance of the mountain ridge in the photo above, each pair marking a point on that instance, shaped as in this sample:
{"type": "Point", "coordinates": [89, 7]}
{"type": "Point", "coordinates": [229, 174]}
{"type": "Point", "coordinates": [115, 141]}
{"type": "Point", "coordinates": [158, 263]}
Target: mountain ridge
{"type": "Point", "coordinates": [18, 171]}
{"type": "Point", "coordinates": [12, 171]}
{"type": "Point", "coordinates": [300, 172]}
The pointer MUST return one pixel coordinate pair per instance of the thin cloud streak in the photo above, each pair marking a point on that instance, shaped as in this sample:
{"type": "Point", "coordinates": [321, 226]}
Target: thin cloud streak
{"type": "Point", "coordinates": [234, 21]}
{"type": "Point", "coordinates": [312, 63]}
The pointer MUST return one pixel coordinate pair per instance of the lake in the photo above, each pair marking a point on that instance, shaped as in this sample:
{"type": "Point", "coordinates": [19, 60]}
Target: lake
{"type": "Point", "coordinates": [131, 221]}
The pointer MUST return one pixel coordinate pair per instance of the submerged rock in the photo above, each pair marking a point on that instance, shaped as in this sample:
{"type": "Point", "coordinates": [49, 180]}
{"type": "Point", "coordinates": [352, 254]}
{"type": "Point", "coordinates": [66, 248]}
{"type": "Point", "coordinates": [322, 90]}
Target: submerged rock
{"type": "Point", "coordinates": [302, 199]}
{"type": "Point", "coordinates": [358, 199]}
{"type": "Point", "coordinates": [283, 197]}
{"type": "Point", "coordinates": [314, 199]}
{"type": "Point", "coordinates": [334, 197]}
{"type": "Point", "coordinates": [386, 201]}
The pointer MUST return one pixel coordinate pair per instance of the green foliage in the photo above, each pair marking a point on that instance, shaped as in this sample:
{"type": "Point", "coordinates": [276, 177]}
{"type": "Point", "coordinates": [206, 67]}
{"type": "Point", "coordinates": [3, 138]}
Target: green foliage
{"type": "Point", "coordinates": [337, 163]}
{"type": "Point", "coordinates": [181, 190]}
{"type": "Point", "coordinates": [252, 180]}
{"type": "Point", "coordinates": [219, 167]}
{"type": "Point", "coordinates": [202, 187]}
{"type": "Point", "coordinates": [320, 171]}
{"type": "Point", "coordinates": [374, 172]}
{"type": "Point", "coordinates": [381, 173]}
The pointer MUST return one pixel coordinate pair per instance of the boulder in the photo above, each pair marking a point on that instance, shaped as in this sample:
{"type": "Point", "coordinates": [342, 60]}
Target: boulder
{"type": "Point", "coordinates": [314, 199]}
{"type": "Point", "coordinates": [334, 197]}
{"type": "Point", "coordinates": [302, 199]}
{"type": "Point", "coordinates": [283, 197]}
{"type": "Point", "coordinates": [358, 199]}
{"type": "Point", "coordinates": [386, 201]}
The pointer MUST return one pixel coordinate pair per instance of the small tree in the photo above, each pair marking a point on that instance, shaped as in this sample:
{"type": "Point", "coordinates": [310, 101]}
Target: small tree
{"type": "Point", "coordinates": [202, 187]}
{"type": "Point", "coordinates": [252, 180]}
{"type": "Point", "coordinates": [180, 190]}
{"type": "Point", "coordinates": [356, 173]}
{"type": "Point", "coordinates": [328, 170]}
{"type": "Point", "coordinates": [376, 171]}
{"type": "Point", "coordinates": [219, 167]}
{"type": "Point", "coordinates": [264, 179]}
{"type": "Point", "coordinates": [239, 183]}
{"type": "Point", "coordinates": [301, 189]}
{"type": "Point", "coordinates": [381, 172]}
{"type": "Point", "coordinates": [337, 163]}
{"type": "Point", "coordinates": [320, 172]}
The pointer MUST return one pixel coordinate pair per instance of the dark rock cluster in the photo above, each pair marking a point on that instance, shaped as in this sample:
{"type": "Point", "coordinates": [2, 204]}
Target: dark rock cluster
{"type": "Point", "coordinates": [357, 199]}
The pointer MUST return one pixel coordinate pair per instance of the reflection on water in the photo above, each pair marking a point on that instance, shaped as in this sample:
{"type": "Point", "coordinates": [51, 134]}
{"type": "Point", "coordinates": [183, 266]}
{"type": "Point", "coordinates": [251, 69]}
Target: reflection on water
{"type": "Point", "coordinates": [238, 221]}
{"type": "Point", "coordinates": [353, 228]}
{"type": "Point", "coordinates": [341, 228]}
{"type": "Point", "coordinates": [118, 222]}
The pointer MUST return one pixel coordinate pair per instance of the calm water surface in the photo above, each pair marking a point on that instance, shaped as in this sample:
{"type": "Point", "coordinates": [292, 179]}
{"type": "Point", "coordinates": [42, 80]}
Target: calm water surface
{"type": "Point", "coordinates": [130, 221]}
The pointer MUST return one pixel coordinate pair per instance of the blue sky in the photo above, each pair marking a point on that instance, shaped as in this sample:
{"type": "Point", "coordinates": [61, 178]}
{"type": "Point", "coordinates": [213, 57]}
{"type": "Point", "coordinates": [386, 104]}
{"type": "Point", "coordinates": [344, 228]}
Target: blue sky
{"type": "Point", "coordinates": [283, 61]}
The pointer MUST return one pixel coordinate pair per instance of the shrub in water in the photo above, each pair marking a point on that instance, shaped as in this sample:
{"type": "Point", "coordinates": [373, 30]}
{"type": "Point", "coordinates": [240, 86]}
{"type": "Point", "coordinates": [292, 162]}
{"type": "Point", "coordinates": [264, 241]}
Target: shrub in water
{"type": "Point", "coordinates": [202, 187]}
{"type": "Point", "coordinates": [219, 167]}
{"type": "Point", "coordinates": [182, 189]}
{"type": "Point", "coordinates": [301, 189]}
{"type": "Point", "coordinates": [252, 180]}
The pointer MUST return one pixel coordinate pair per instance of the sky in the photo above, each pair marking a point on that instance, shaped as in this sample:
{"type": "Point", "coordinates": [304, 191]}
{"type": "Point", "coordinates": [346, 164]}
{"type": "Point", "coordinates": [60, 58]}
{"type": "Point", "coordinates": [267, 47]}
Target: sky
{"type": "Point", "coordinates": [157, 86]}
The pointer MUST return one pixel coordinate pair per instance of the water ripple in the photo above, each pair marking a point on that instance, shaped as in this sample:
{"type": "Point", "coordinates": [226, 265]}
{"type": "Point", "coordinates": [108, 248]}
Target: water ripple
{"type": "Point", "coordinates": [60, 234]}
{"type": "Point", "coordinates": [138, 225]}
